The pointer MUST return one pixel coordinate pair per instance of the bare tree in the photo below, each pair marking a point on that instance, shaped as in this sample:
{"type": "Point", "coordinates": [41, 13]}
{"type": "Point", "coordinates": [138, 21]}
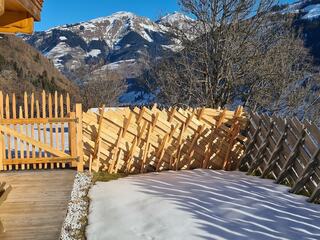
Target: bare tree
{"type": "Point", "coordinates": [104, 88]}
{"type": "Point", "coordinates": [235, 50]}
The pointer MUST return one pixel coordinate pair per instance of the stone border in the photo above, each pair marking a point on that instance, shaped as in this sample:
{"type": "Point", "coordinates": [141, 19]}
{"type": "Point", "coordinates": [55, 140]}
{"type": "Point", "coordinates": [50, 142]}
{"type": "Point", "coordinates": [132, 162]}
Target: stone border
{"type": "Point", "coordinates": [76, 220]}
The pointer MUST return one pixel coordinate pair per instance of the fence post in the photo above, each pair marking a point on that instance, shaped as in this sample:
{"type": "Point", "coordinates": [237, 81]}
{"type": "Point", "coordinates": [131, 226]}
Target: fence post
{"type": "Point", "coordinates": [73, 139]}
{"type": "Point", "coordinates": [79, 141]}
{"type": "Point", "coordinates": [2, 147]}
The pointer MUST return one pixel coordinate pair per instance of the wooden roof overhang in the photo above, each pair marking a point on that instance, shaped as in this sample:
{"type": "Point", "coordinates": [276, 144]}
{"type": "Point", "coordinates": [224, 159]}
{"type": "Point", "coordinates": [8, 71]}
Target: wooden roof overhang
{"type": "Point", "coordinates": [18, 16]}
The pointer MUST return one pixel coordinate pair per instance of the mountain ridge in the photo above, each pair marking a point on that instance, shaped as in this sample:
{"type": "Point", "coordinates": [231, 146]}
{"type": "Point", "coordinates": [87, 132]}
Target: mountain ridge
{"type": "Point", "coordinates": [123, 41]}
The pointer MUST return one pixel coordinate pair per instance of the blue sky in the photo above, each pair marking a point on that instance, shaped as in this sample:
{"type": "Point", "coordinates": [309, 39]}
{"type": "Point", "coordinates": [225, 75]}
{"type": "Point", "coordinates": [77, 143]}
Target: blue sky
{"type": "Point", "coordinates": [59, 12]}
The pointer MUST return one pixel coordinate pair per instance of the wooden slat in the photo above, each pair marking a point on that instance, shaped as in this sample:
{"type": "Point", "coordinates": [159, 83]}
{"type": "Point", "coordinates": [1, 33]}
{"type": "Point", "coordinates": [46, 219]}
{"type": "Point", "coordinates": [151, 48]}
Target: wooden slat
{"type": "Point", "coordinates": [39, 130]}
{"type": "Point", "coordinates": [8, 137]}
{"type": "Point", "coordinates": [44, 115]}
{"type": "Point", "coordinates": [62, 126]}
{"type": "Point", "coordinates": [80, 165]}
{"type": "Point", "coordinates": [2, 145]}
{"type": "Point", "coordinates": [29, 140]}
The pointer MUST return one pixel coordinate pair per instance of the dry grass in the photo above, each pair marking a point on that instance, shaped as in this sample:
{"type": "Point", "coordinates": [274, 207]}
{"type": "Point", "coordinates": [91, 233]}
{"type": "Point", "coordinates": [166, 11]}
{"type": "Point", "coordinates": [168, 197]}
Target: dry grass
{"type": "Point", "coordinates": [106, 177]}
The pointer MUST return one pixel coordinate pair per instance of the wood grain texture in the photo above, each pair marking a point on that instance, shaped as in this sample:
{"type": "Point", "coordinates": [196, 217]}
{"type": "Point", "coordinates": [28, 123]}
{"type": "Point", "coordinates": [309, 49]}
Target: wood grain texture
{"type": "Point", "coordinates": [286, 150]}
{"type": "Point", "coordinates": [36, 206]}
{"type": "Point", "coordinates": [28, 135]}
{"type": "Point", "coordinates": [142, 140]}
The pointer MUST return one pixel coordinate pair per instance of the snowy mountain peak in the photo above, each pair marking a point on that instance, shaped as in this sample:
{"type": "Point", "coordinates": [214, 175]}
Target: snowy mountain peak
{"type": "Point", "coordinates": [307, 9]}
{"type": "Point", "coordinates": [174, 18]}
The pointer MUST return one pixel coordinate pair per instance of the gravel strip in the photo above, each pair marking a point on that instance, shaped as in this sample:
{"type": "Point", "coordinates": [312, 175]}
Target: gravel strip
{"type": "Point", "coordinates": [76, 220]}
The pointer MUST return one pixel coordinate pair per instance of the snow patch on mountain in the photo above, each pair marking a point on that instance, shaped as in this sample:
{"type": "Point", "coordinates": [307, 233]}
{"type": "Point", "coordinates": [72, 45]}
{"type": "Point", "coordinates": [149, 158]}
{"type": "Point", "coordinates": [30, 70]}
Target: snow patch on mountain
{"type": "Point", "coordinates": [94, 53]}
{"type": "Point", "coordinates": [313, 11]}
{"type": "Point", "coordinates": [308, 9]}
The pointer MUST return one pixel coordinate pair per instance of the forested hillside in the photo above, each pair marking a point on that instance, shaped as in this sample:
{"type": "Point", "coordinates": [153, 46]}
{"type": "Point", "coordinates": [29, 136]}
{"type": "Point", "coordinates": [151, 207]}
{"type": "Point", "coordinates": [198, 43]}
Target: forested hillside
{"type": "Point", "coordinates": [23, 68]}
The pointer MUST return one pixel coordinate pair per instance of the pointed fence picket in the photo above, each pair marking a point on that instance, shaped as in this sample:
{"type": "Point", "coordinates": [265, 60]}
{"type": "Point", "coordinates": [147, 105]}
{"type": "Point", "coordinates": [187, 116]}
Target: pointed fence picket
{"type": "Point", "coordinates": [33, 139]}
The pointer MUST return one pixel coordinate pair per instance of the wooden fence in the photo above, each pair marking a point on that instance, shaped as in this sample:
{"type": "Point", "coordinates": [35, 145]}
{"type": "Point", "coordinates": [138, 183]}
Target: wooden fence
{"type": "Point", "coordinates": [4, 191]}
{"type": "Point", "coordinates": [40, 134]}
{"type": "Point", "coordinates": [286, 150]}
{"type": "Point", "coordinates": [142, 140]}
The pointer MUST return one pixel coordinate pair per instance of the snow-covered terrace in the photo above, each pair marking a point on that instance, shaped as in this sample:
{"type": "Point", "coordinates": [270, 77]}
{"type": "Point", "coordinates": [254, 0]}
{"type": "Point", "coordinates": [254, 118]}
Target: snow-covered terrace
{"type": "Point", "coordinates": [199, 204]}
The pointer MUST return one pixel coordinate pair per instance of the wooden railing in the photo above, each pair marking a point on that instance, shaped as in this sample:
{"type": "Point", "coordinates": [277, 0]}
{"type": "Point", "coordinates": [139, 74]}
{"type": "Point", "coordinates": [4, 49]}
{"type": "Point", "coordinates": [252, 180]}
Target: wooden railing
{"type": "Point", "coordinates": [142, 140]}
{"type": "Point", "coordinates": [4, 191]}
{"type": "Point", "coordinates": [286, 150]}
{"type": "Point", "coordinates": [40, 134]}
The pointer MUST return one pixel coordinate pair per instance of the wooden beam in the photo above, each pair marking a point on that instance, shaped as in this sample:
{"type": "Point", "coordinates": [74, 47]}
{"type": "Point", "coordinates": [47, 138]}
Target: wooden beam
{"type": "Point", "coordinates": [16, 22]}
{"type": "Point", "coordinates": [315, 195]}
{"type": "Point", "coordinates": [96, 152]}
{"type": "Point", "coordinates": [278, 148]}
{"type": "Point", "coordinates": [41, 160]}
{"type": "Point", "coordinates": [79, 138]}
{"type": "Point", "coordinates": [249, 148]}
{"type": "Point", "coordinates": [258, 158]}
{"type": "Point", "coordinates": [1, 7]}
{"type": "Point", "coordinates": [284, 172]}
{"type": "Point", "coordinates": [307, 172]}
{"type": "Point", "coordinates": [33, 7]}
{"type": "Point", "coordinates": [35, 143]}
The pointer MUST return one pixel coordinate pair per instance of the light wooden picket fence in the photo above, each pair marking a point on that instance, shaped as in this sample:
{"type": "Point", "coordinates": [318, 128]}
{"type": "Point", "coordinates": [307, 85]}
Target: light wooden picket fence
{"type": "Point", "coordinates": [286, 150]}
{"type": "Point", "coordinates": [142, 140]}
{"type": "Point", "coordinates": [41, 133]}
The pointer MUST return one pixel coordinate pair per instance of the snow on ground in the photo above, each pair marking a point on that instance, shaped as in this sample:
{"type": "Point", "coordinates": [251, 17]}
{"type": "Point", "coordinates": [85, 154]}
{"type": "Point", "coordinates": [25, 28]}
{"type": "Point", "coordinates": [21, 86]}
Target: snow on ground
{"type": "Point", "coordinates": [199, 204]}
{"type": "Point", "coordinates": [94, 53]}
{"type": "Point", "coordinates": [313, 11]}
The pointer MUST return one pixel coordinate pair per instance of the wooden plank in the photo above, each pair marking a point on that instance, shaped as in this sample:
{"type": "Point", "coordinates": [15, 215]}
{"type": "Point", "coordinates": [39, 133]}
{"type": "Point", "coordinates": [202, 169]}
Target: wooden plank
{"type": "Point", "coordinates": [191, 147]}
{"type": "Point", "coordinates": [62, 126]}
{"type": "Point", "coordinates": [41, 160]}
{"type": "Point", "coordinates": [284, 172]}
{"type": "Point", "coordinates": [233, 133]}
{"type": "Point", "coordinates": [275, 154]}
{"type": "Point", "coordinates": [80, 165]}
{"type": "Point", "coordinates": [307, 172]}
{"type": "Point", "coordinates": [115, 158]}
{"type": "Point", "coordinates": [146, 150]}
{"type": "Point", "coordinates": [33, 151]}
{"type": "Point", "coordinates": [44, 115]}
{"type": "Point", "coordinates": [22, 142]}
{"type": "Point", "coordinates": [39, 130]}
{"type": "Point", "coordinates": [2, 145]}
{"type": "Point", "coordinates": [55, 126]}
{"type": "Point", "coordinates": [37, 121]}
{"type": "Point", "coordinates": [14, 116]}
{"type": "Point", "coordinates": [26, 116]}
{"type": "Point", "coordinates": [8, 137]}
{"type": "Point", "coordinates": [50, 114]}
{"type": "Point", "coordinates": [25, 138]}
{"type": "Point", "coordinates": [95, 157]}
{"type": "Point", "coordinates": [72, 136]}
{"type": "Point", "coordinates": [210, 146]}
{"type": "Point", "coordinates": [36, 207]}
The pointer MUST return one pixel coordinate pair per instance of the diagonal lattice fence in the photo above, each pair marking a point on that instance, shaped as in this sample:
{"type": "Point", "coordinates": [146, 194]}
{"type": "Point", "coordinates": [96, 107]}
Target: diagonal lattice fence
{"type": "Point", "coordinates": [286, 150]}
{"type": "Point", "coordinates": [142, 140]}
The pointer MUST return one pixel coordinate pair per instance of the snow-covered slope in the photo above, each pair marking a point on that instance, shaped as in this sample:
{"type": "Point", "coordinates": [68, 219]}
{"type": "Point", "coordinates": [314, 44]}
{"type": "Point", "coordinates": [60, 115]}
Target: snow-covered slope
{"type": "Point", "coordinates": [122, 41]}
{"type": "Point", "coordinates": [117, 42]}
{"type": "Point", "coordinates": [112, 39]}
{"type": "Point", "coordinates": [307, 9]}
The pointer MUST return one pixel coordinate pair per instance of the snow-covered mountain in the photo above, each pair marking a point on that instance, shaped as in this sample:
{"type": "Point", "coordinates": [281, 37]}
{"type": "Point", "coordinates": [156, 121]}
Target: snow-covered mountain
{"type": "Point", "coordinates": [121, 42]}
{"type": "Point", "coordinates": [307, 9]}
{"type": "Point", "coordinates": [114, 40]}
{"type": "Point", "coordinates": [117, 42]}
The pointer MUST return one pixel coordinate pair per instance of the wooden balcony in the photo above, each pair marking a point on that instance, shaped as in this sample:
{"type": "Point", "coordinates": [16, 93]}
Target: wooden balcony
{"type": "Point", "coordinates": [18, 16]}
